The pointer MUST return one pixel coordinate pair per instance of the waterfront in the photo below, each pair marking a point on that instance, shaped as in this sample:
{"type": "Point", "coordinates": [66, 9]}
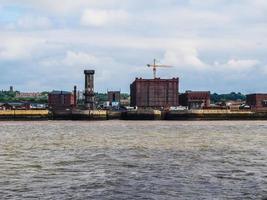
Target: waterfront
{"type": "Point", "coordinates": [133, 160]}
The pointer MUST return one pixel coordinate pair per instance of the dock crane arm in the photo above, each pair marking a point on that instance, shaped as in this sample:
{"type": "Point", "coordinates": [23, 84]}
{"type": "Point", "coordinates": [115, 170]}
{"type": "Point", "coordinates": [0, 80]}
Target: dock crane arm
{"type": "Point", "coordinates": [155, 66]}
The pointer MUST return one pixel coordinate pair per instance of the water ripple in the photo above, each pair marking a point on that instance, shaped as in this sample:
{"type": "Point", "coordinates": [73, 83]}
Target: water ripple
{"type": "Point", "coordinates": [133, 160]}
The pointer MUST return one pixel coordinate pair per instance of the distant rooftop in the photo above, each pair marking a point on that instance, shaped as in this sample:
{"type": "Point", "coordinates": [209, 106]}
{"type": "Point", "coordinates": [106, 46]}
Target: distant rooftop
{"type": "Point", "coordinates": [156, 79]}
{"type": "Point", "coordinates": [60, 92]}
{"type": "Point", "coordinates": [89, 71]}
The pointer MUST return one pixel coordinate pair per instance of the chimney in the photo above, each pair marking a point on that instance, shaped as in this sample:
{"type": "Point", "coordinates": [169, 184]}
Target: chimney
{"type": "Point", "coordinates": [75, 96]}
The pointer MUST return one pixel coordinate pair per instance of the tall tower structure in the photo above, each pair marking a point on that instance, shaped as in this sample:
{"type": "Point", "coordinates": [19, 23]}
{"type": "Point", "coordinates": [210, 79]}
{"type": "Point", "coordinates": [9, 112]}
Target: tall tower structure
{"type": "Point", "coordinates": [89, 89]}
{"type": "Point", "coordinates": [75, 96]}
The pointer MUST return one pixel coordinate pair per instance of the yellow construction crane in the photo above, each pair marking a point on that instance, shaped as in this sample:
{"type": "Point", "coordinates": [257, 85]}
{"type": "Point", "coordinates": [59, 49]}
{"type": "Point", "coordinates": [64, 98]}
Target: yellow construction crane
{"type": "Point", "coordinates": [155, 66]}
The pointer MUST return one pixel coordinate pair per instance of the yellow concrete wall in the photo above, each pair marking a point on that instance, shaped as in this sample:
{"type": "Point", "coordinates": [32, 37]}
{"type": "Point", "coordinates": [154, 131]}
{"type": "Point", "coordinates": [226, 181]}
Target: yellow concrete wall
{"type": "Point", "coordinates": [218, 112]}
{"type": "Point", "coordinates": [23, 112]}
{"type": "Point", "coordinates": [157, 112]}
{"type": "Point", "coordinates": [98, 112]}
{"type": "Point", "coordinates": [7, 112]}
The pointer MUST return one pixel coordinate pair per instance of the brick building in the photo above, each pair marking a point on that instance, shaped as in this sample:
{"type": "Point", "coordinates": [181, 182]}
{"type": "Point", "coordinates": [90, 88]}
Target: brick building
{"type": "Point", "coordinates": [15, 106]}
{"type": "Point", "coordinates": [114, 96]}
{"type": "Point", "coordinates": [257, 101]}
{"type": "Point", "coordinates": [58, 100]}
{"type": "Point", "coordinates": [155, 93]}
{"type": "Point", "coordinates": [28, 95]}
{"type": "Point", "coordinates": [195, 99]}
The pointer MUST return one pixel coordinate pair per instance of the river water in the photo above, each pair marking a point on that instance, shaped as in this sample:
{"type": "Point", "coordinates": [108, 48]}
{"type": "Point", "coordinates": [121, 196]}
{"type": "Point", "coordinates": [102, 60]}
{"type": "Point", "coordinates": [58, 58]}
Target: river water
{"type": "Point", "coordinates": [133, 160]}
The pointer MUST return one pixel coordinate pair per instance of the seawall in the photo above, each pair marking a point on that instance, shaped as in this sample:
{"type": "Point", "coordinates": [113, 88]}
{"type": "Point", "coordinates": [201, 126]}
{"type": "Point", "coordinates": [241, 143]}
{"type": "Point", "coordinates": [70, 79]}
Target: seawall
{"type": "Point", "coordinates": [213, 115]}
{"type": "Point", "coordinates": [160, 115]}
{"type": "Point", "coordinates": [24, 115]}
{"type": "Point", "coordinates": [131, 115]}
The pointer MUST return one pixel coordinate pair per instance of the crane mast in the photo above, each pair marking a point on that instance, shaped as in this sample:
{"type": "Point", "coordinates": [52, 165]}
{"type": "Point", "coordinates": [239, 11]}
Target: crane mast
{"type": "Point", "coordinates": [155, 66]}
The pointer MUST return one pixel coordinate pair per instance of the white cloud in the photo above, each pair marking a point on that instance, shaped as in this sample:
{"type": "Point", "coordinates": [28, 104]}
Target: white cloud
{"type": "Point", "coordinates": [72, 64]}
{"type": "Point", "coordinates": [184, 57]}
{"type": "Point", "coordinates": [34, 22]}
{"type": "Point", "coordinates": [73, 59]}
{"type": "Point", "coordinates": [18, 48]}
{"type": "Point", "coordinates": [242, 64]}
{"type": "Point", "coordinates": [258, 3]}
{"type": "Point", "coordinates": [103, 17]}
{"type": "Point", "coordinates": [264, 70]}
{"type": "Point", "coordinates": [188, 17]}
{"type": "Point", "coordinates": [79, 58]}
{"type": "Point", "coordinates": [63, 7]}
{"type": "Point", "coordinates": [237, 65]}
{"type": "Point", "coordinates": [187, 58]}
{"type": "Point", "coordinates": [75, 62]}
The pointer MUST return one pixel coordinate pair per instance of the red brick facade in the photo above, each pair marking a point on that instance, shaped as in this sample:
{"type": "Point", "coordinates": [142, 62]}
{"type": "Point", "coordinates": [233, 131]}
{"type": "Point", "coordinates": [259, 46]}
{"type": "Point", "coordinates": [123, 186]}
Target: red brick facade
{"type": "Point", "coordinates": [195, 99]}
{"type": "Point", "coordinates": [257, 101]}
{"type": "Point", "coordinates": [114, 96]}
{"type": "Point", "coordinates": [155, 93]}
{"type": "Point", "coordinates": [60, 100]}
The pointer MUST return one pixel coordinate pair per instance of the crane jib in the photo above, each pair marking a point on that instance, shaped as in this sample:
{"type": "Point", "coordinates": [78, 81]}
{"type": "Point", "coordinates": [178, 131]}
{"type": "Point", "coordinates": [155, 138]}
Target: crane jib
{"type": "Point", "coordinates": [154, 65]}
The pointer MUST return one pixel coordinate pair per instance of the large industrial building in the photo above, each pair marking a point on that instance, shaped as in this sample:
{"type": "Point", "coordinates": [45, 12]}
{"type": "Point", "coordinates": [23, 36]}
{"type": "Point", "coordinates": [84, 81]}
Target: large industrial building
{"type": "Point", "coordinates": [155, 93]}
{"type": "Point", "coordinates": [114, 96]}
{"type": "Point", "coordinates": [195, 99]}
{"type": "Point", "coordinates": [61, 100]}
{"type": "Point", "coordinates": [257, 101]}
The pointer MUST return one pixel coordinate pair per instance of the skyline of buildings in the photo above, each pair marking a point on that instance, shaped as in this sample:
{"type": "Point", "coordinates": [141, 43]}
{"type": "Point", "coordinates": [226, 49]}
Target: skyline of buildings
{"type": "Point", "coordinates": [215, 45]}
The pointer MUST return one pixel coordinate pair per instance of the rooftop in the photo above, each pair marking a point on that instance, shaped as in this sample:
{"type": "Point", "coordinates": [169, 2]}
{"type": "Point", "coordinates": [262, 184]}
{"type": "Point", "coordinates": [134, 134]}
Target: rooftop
{"type": "Point", "coordinates": [60, 92]}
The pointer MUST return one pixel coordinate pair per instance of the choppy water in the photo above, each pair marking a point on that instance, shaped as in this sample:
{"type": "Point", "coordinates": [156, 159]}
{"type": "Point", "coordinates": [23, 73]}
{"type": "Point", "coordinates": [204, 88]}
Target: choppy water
{"type": "Point", "coordinates": [133, 160]}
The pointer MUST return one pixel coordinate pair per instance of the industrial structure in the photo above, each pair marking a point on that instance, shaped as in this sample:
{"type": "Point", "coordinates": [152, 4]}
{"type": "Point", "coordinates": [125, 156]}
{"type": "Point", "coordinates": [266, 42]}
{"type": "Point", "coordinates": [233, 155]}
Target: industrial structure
{"type": "Point", "coordinates": [195, 99]}
{"type": "Point", "coordinates": [75, 96]}
{"type": "Point", "coordinates": [158, 99]}
{"type": "Point", "coordinates": [15, 106]}
{"type": "Point", "coordinates": [155, 93]}
{"type": "Point", "coordinates": [28, 94]}
{"type": "Point", "coordinates": [89, 95]}
{"type": "Point", "coordinates": [155, 66]}
{"type": "Point", "coordinates": [61, 100]}
{"type": "Point", "coordinates": [257, 102]}
{"type": "Point", "coordinates": [114, 97]}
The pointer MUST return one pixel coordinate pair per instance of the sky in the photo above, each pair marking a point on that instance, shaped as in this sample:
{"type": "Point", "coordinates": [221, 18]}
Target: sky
{"type": "Point", "coordinates": [216, 45]}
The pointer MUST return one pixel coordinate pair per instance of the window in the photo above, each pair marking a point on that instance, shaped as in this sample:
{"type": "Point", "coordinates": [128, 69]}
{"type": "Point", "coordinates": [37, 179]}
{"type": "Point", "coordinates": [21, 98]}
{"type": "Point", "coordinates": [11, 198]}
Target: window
{"type": "Point", "coordinates": [264, 103]}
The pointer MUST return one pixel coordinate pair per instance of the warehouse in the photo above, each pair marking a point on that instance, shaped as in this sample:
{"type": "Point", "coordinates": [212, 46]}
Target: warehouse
{"type": "Point", "coordinates": [114, 97]}
{"type": "Point", "coordinates": [58, 100]}
{"type": "Point", "coordinates": [155, 93]}
{"type": "Point", "coordinates": [257, 101]}
{"type": "Point", "coordinates": [195, 99]}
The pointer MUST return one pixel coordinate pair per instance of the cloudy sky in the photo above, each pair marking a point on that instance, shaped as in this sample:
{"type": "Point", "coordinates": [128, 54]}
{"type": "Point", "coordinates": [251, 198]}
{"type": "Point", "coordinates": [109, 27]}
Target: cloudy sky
{"type": "Point", "coordinates": [217, 45]}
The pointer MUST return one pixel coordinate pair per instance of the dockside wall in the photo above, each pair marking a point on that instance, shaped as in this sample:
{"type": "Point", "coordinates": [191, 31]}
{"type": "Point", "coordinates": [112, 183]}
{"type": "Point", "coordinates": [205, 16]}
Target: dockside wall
{"type": "Point", "coordinates": [132, 115]}
{"type": "Point", "coordinates": [24, 114]}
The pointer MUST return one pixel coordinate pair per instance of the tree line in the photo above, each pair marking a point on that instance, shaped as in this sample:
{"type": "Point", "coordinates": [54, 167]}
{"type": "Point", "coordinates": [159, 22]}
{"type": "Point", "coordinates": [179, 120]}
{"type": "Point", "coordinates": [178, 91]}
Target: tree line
{"type": "Point", "coordinates": [8, 96]}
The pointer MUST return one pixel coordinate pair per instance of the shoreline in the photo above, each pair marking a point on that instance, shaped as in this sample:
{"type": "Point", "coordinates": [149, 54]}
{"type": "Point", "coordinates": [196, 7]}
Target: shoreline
{"type": "Point", "coordinates": [91, 115]}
